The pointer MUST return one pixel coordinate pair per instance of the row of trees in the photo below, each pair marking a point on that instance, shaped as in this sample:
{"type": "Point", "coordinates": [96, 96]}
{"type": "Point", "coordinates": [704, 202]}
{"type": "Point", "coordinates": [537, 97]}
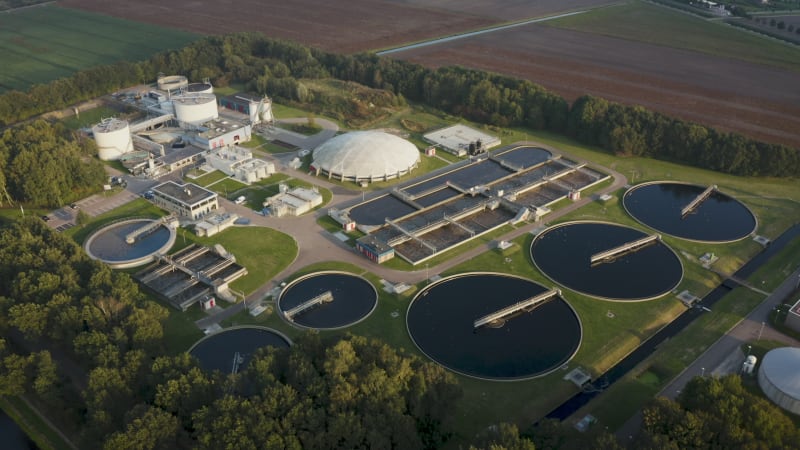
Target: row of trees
{"type": "Point", "coordinates": [45, 165]}
{"type": "Point", "coordinates": [278, 68]}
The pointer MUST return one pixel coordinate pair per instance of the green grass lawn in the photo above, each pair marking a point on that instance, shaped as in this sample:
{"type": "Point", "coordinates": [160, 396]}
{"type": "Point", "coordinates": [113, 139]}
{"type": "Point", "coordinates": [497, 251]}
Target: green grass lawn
{"type": "Point", "coordinates": [136, 208]}
{"type": "Point", "coordinates": [89, 117]}
{"type": "Point", "coordinates": [646, 22]}
{"type": "Point", "coordinates": [207, 179]}
{"type": "Point", "coordinates": [263, 251]}
{"type": "Point", "coordinates": [45, 43]}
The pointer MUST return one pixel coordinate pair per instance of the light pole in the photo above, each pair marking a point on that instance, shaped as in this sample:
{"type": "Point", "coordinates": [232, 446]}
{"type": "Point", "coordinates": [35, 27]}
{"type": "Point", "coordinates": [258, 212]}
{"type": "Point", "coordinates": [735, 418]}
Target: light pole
{"type": "Point", "coordinates": [702, 371]}
{"type": "Point", "coordinates": [748, 351]}
{"type": "Point", "coordinates": [427, 278]}
{"type": "Point", "coordinates": [760, 331]}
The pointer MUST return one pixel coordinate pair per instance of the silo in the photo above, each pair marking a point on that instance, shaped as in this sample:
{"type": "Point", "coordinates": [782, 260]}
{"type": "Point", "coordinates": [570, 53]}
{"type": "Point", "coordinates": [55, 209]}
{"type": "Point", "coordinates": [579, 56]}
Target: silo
{"type": "Point", "coordinates": [113, 137]}
{"type": "Point", "coordinates": [779, 377]}
{"type": "Point", "coordinates": [195, 109]}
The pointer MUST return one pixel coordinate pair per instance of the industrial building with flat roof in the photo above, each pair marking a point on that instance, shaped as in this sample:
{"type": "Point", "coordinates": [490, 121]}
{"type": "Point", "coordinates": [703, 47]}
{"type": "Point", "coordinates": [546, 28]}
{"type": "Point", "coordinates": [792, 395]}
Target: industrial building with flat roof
{"type": "Point", "coordinates": [456, 139]}
{"type": "Point", "coordinates": [293, 202]}
{"type": "Point", "coordinates": [793, 316]}
{"type": "Point", "coordinates": [239, 163]}
{"type": "Point", "coordinates": [187, 201]}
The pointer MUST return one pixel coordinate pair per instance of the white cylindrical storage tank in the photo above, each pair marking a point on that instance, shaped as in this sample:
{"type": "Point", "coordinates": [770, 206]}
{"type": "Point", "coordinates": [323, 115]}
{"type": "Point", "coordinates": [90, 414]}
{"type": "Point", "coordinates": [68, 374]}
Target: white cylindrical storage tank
{"type": "Point", "coordinates": [195, 108]}
{"type": "Point", "coordinates": [172, 83]}
{"type": "Point", "coordinates": [779, 377]}
{"type": "Point", "coordinates": [113, 138]}
{"type": "Point", "coordinates": [200, 88]}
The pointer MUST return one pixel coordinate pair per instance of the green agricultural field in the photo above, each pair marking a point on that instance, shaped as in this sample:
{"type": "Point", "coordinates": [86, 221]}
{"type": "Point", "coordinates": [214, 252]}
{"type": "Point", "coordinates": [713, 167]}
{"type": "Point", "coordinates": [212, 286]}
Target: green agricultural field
{"type": "Point", "coordinates": [46, 43]}
{"type": "Point", "coordinates": [646, 22]}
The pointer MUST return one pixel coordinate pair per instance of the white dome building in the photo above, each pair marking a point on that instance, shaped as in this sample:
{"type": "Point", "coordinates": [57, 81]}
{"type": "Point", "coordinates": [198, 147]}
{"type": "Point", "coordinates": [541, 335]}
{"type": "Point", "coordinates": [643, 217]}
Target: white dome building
{"type": "Point", "coordinates": [779, 377]}
{"type": "Point", "coordinates": [365, 156]}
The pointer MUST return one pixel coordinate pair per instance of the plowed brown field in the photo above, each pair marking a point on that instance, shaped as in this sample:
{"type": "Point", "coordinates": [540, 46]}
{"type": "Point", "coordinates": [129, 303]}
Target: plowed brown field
{"type": "Point", "coordinates": [758, 101]}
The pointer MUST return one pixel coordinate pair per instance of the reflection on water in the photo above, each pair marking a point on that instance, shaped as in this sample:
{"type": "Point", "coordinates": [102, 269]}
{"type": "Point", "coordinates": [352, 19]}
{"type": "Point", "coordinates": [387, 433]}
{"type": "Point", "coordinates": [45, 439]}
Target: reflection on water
{"type": "Point", "coordinates": [12, 436]}
{"type": "Point", "coordinates": [218, 352]}
{"type": "Point", "coordinates": [441, 322]}
{"type": "Point", "coordinates": [353, 299]}
{"type": "Point", "coordinates": [719, 218]}
{"type": "Point", "coordinates": [109, 245]}
{"type": "Point", "coordinates": [564, 254]}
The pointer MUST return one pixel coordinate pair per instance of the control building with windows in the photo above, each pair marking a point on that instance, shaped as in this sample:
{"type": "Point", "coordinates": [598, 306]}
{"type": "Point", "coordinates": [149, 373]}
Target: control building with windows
{"type": "Point", "coordinates": [188, 201]}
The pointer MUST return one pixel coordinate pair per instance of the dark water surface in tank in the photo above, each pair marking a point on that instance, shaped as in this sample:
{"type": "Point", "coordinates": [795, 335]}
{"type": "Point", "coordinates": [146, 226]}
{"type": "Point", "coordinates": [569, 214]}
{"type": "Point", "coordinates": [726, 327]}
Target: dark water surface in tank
{"type": "Point", "coordinates": [353, 299]}
{"type": "Point", "coordinates": [375, 212]}
{"type": "Point", "coordinates": [720, 218]}
{"type": "Point", "coordinates": [12, 435]}
{"type": "Point", "coordinates": [216, 352]}
{"type": "Point", "coordinates": [564, 252]}
{"type": "Point", "coordinates": [441, 322]}
{"type": "Point", "coordinates": [109, 245]}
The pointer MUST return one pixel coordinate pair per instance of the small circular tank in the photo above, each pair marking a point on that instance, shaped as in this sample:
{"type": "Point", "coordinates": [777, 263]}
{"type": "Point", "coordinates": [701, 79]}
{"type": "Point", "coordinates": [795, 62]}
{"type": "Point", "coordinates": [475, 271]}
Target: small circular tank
{"type": "Point", "coordinates": [113, 137]}
{"type": "Point", "coordinates": [172, 83]}
{"type": "Point", "coordinates": [200, 88]}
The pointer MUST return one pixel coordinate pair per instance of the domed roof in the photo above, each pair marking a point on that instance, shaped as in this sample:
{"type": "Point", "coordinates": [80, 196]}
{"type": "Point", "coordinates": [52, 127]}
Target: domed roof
{"type": "Point", "coordinates": [365, 155]}
{"type": "Point", "coordinates": [781, 367]}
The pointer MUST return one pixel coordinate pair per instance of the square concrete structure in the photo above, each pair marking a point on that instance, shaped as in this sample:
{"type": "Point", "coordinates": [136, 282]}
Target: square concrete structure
{"type": "Point", "coordinates": [456, 139]}
{"type": "Point", "coordinates": [186, 201]}
{"type": "Point", "coordinates": [294, 202]}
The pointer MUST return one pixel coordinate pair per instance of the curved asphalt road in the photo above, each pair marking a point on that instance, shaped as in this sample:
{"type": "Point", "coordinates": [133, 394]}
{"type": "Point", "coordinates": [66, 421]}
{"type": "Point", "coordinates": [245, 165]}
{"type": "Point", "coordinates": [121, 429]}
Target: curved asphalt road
{"type": "Point", "coordinates": [317, 245]}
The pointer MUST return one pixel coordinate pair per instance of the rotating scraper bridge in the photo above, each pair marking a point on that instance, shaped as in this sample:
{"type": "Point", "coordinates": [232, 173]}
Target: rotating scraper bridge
{"type": "Point", "coordinates": [438, 213]}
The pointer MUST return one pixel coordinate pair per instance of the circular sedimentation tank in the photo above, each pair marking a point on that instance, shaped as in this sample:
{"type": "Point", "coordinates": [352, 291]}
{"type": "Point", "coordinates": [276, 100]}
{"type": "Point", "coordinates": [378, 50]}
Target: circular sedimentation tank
{"type": "Point", "coordinates": [565, 252]}
{"type": "Point", "coordinates": [667, 207]}
{"type": "Point", "coordinates": [231, 350]}
{"type": "Point", "coordinates": [110, 244]}
{"type": "Point", "coordinates": [327, 300]}
{"type": "Point", "coordinates": [459, 323]}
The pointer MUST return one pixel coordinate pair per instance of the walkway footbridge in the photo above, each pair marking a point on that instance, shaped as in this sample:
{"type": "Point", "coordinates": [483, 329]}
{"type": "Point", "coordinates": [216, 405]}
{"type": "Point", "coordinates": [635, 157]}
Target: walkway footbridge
{"type": "Point", "coordinates": [325, 297]}
{"type": "Point", "coordinates": [703, 196]}
{"type": "Point", "coordinates": [498, 317]}
{"type": "Point", "coordinates": [628, 247]}
{"type": "Point", "coordinates": [148, 228]}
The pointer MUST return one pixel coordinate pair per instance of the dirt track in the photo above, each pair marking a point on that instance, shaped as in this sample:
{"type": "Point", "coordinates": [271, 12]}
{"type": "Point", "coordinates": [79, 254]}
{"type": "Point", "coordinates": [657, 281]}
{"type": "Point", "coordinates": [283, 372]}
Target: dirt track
{"type": "Point", "coordinates": [758, 101]}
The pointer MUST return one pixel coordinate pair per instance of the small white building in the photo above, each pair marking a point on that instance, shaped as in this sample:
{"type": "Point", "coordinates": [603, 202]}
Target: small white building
{"type": "Point", "coordinates": [220, 133]}
{"type": "Point", "coordinates": [293, 202]}
{"type": "Point", "coordinates": [239, 163]}
{"type": "Point", "coordinates": [456, 139]}
{"type": "Point", "coordinates": [186, 201]}
{"type": "Point", "coordinates": [215, 223]}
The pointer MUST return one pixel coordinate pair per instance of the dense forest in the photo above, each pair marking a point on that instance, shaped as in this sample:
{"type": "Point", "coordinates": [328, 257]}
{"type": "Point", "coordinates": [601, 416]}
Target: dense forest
{"type": "Point", "coordinates": [46, 166]}
{"type": "Point", "coordinates": [716, 413]}
{"type": "Point", "coordinates": [83, 341]}
{"type": "Point", "coordinates": [278, 68]}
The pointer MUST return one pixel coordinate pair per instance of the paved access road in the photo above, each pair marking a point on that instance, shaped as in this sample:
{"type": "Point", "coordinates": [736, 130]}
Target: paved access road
{"type": "Point", "coordinates": [725, 356]}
